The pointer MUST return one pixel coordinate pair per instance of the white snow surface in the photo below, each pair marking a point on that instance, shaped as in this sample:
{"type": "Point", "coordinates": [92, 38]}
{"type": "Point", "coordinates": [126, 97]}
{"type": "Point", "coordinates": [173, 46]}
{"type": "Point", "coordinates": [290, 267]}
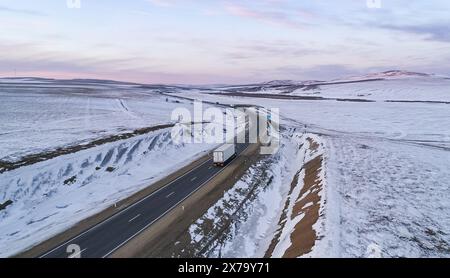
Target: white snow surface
{"type": "Point", "coordinates": [45, 204]}
{"type": "Point", "coordinates": [391, 195]}
{"type": "Point", "coordinates": [388, 174]}
{"type": "Point", "coordinates": [36, 119]}
{"type": "Point", "coordinates": [404, 89]}
{"type": "Point", "coordinates": [388, 181]}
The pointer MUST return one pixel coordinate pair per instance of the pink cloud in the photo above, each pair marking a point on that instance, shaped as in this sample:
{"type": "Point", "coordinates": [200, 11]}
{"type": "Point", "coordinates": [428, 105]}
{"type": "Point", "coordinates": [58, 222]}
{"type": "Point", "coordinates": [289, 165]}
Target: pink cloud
{"type": "Point", "coordinates": [274, 17]}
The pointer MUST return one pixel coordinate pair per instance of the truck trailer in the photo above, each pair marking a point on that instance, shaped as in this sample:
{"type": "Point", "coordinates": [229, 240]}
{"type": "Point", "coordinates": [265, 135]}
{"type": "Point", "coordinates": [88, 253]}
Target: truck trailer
{"type": "Point", "coordinates": [223, 154]}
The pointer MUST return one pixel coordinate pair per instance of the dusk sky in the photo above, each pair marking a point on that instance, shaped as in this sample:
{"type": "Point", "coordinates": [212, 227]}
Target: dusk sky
{"type": "Point", "coordinates": [204, 42]}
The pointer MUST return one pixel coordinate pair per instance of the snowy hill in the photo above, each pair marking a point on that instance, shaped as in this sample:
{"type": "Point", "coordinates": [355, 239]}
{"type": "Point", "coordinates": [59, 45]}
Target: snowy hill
{"type": "Point", "coordinates": [394, 85]}
{"type": "Point", "coordinates": [386, 86]}
{"type": "Point", "coordinates": [392, 74]}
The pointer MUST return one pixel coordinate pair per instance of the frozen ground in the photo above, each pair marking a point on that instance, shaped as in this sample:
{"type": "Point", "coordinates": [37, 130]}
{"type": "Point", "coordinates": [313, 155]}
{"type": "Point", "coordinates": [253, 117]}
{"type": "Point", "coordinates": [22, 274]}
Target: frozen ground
{"type": "Point", "coordinates": [51, 196]}
{"type": "Point", "coordinates": [388, 187]}
{"type": "Point", "coordinates": [36, 119]}
{"type": "Point", "coordinates": [389, 199]}
{"type": "Point", "coordinates": [388, 181]}
{"type": "Point", "coordinates": [386, 86]}
{"type": "Point", "coordinates": [405, 89]}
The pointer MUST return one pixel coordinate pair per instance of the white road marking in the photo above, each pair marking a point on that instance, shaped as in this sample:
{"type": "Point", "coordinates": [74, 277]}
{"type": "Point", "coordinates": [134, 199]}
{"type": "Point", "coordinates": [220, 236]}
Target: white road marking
{"type": "Point", "coordinates": [162, 215]}
{"type": "Point", "coordinates": [122, 211]}
{"type": "Point", "coordinates": [194, 178]}
{"type": "Point", "coordinates": [210, 167]}
{"type": "Point", "coordinates": [134, 218]}
{"type": "Point", "coordinates": [77, 255]}
{"type": "Point", "coordinates": [170, 194]}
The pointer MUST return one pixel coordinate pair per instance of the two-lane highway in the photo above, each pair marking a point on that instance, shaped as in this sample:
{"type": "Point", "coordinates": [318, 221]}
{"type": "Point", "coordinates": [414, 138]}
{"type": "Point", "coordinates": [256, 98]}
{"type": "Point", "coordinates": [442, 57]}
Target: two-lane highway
{"type": "Point", "coordinates": [106, 237]}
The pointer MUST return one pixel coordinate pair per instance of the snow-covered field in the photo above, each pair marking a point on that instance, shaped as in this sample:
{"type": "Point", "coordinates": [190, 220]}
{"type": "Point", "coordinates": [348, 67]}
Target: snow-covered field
{"type": "Point", "coordinates": [35, 119]}
{"type": "Point", "coordinates": [388, 181]}
{"type": "Point", "coordinates": [407, 89]}
{"type": "Point", "coordinates": [389, 196]}
{"type": "Point", "coordinates": [387, 172]}
{"type": "Point", "coordinates": [51, 196]}
{"type": "Point", "coordinates": [387, 86]}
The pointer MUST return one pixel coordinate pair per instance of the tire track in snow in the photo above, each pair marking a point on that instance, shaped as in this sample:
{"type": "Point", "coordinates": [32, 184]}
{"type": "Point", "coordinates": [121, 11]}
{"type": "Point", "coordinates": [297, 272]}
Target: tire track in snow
{"type": "Point", "coordinates": [126, 110]}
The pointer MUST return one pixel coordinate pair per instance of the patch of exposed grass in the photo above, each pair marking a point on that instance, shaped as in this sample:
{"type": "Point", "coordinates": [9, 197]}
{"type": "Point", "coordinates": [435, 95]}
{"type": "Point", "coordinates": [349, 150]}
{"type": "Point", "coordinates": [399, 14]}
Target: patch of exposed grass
{"type": "Point", "coordinates": [70, 180]}
{"type": "Point", "coordinates": [5, 204]}
{"type": "Point", "coordinates": [110, 169]}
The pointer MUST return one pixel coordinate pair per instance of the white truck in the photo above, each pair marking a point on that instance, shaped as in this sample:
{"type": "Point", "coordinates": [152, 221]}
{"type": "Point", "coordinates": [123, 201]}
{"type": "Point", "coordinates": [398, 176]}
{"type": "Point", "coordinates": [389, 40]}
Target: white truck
{"type": "Point", "coordinates": [223, 154]}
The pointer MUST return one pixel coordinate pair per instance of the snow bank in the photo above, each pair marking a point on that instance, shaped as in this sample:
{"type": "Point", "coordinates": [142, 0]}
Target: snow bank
{"type": "Point", "coordinates": [51, 196]}
{"type": "Point", "coordinates": [245, 219]}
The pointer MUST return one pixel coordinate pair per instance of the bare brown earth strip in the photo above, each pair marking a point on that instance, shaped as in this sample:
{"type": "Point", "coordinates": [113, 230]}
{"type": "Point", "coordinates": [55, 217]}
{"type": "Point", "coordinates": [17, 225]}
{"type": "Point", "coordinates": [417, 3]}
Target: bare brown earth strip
{"type": "Point", "coordinates": [288, 97]}
{"type": "Point", "coordinates": [295, 97]}
{"type": "Point", "coordinates": [271, 96]}
{"type": "Point", "coordinates": [282, 221]}
{"type": "Point", "coordinates": [303, 236]}
{"type": "Point", "coordinates": [39, 157]}
{"type": "Point", "coordinates": [313, 145]}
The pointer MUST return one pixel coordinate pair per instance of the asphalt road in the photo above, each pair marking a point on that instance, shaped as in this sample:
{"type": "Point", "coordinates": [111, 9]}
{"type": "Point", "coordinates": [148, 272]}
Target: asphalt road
{"type": "Point", "coordinates": [106, 237]}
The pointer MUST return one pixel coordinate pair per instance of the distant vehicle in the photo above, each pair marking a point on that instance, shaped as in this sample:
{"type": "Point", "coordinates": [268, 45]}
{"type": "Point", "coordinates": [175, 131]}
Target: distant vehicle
{"type": "Point", "coordinates": [223, 154]}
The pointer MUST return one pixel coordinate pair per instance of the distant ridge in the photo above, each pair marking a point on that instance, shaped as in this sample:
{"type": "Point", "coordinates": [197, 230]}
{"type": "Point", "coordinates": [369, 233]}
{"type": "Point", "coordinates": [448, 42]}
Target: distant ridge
{"type": "Point", "coordinates": [67, 81]}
